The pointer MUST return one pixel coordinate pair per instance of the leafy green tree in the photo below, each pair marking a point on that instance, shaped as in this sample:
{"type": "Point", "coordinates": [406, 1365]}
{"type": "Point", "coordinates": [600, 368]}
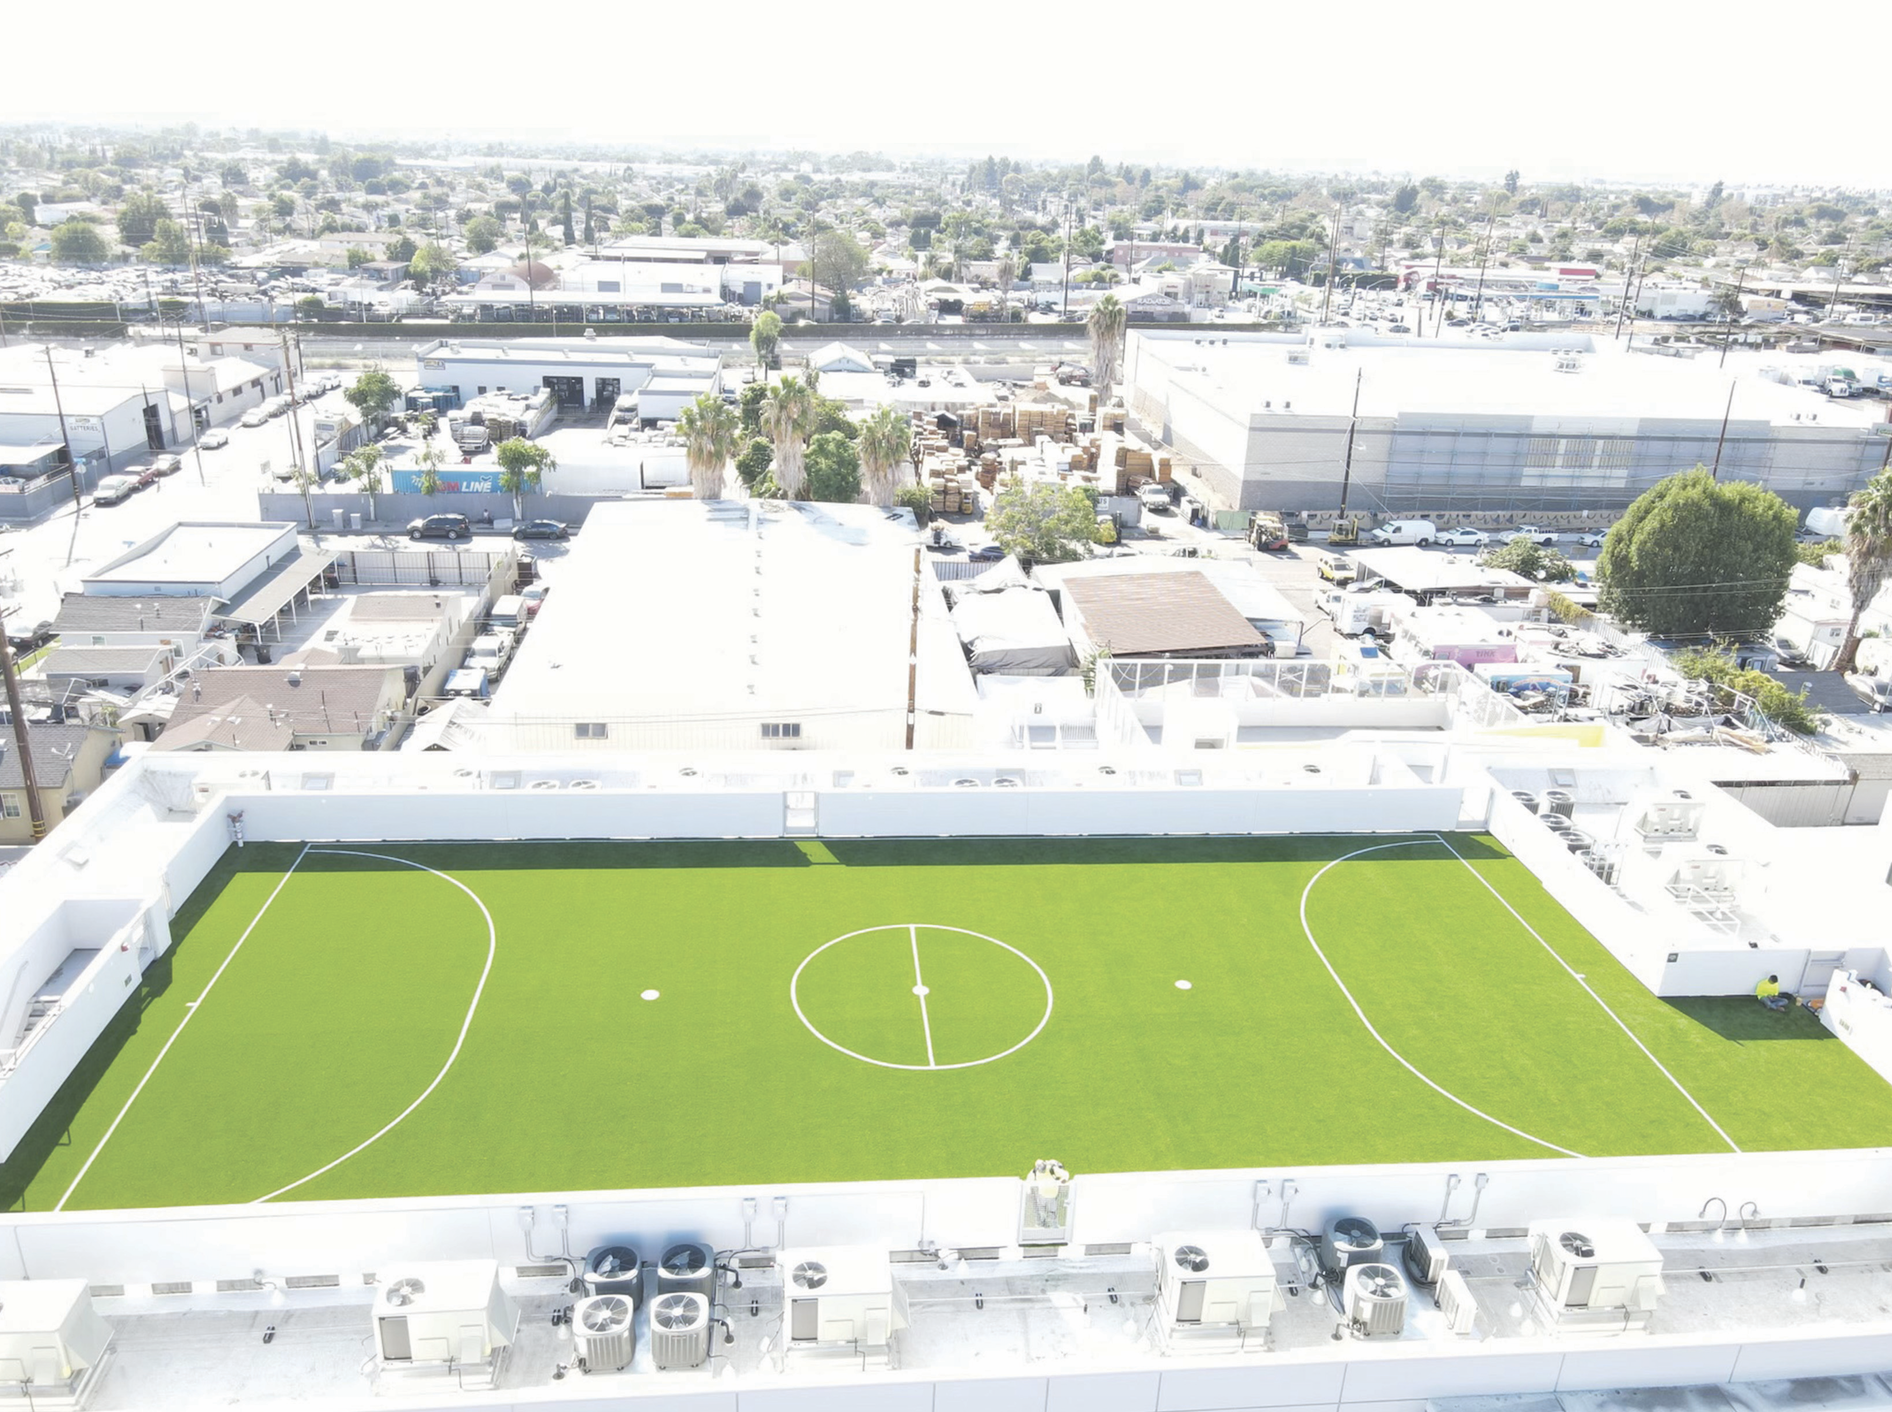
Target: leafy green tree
{"type": "Point", "coordinates": [169, 245]}
{"type": "Point", "coordinates": [918, 499]}
{"type": "Point", "coordinates": [1293, 258]}
{"type": "Point", "coordinates": [75, 242]}
{"type": "Point", "coordinates": [1043, 523]}
{"type": "Point", "coordinates": [839, 262]}
{"type": "Point", "coordinates": [1511, 182]}
{"type": "Point", "coordinates": [403, 250]}
{"type": "Point", "coordinates": [1533, 561]}
{"type": "Point", "coordinates": [1868, 557]}
{"type": "Point", "coordinates": [364, 466]}
{"type": "Point", "coordinates": [710, 429]}
{"type": "Point", "coordinates": [523, 466]}
{"type": "Point", "coordinates": [138, 217]}
{"type": "Point", "coordinates": [1777, 703]}
{"type": "Point", "coordinates": [833, 469]}
{"type": "Point", "coordinates": [1405, 197]}
{"type": "Point", "coordinates": [753, 463]}
{"type": "Point", "coordinates": [1814, 556]}
{"type": "Point", "coordinates": [374, 394]}
{"type": "Point", "coordinates": [765, 337]}
{"type": "Point", "coordinates": [1697, 556]}
{"type": "Point", "coordinates": [749, 407]}
{"type": "Point", "coordinates": [358, 256]}
{"type": "Point", "coordinates": [565, 217]}
{"type": "Point", "coordinates": [482, 234]}
{"type": "Point", "coordinates": [433, 263]}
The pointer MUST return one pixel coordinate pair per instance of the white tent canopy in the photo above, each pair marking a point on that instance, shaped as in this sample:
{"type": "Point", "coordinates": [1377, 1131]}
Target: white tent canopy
{"type": "Point", "coordinates": [840, 358]}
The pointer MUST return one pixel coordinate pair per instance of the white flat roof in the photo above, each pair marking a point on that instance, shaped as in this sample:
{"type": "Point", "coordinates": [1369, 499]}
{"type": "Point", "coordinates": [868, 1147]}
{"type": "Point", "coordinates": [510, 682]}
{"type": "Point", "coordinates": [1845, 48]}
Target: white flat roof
{"type": "Point", "coordinates": [1451, 377]}
{"type": "Point", "coordinates": [191, 552]}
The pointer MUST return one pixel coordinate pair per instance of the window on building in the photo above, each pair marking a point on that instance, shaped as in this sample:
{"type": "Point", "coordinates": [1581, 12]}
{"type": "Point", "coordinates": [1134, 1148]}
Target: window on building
{"type": "Point", "coordinates": [9, 806]}
{"type": "Point", "coordinates": [781, 730]}
{"type": "Point", "coordinates": [591, 730]}
{"type": "Point", "coordinates": [608, 286]}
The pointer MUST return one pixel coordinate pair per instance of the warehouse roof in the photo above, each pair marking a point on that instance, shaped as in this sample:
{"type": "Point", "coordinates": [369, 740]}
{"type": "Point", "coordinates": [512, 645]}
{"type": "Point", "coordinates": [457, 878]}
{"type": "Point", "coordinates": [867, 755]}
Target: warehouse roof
{"type": "Point", "coordinates": [1159, 612]}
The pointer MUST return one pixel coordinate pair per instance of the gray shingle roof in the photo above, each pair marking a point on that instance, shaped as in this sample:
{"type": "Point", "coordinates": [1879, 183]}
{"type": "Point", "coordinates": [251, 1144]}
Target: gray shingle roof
{"type": "Point", "coordinates": [53, 750]}
{"type": "Point", "coordinates": [91, 612]}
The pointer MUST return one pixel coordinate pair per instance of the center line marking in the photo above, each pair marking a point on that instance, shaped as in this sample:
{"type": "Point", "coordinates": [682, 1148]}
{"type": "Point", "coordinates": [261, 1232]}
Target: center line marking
{"type": "Point", "coordinates": [919, 989]}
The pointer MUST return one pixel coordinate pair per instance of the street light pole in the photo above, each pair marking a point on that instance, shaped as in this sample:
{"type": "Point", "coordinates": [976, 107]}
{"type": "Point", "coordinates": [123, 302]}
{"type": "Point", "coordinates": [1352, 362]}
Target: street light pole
{"type": "Point", "coordinates": [72, 461]}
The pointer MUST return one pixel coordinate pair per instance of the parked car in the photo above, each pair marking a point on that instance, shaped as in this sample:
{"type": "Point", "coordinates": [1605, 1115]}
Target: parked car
{"type": "Point", "coordinates": [144, 475]}
{"type": "Point", "coordinates": [214, 440]}
{"type": "Point", "coordinates": [441, 527]}
{"type": "Point", "coordinates": [1592, 539]}
{"type": "Point", "coordinates": [1154, 497]}
{"type": "Point", "coordinates": [542, 529]}
{"type": "Point", "coordinates": [166, 465]}
{"type": "Point", "coordinates": [1335, 569]}
{"type": "Point", "coordinates": [255, 417]}
{"type": "Point", "coordinates": [534, 596]}
{"type": "Point", "coordinates": [986, 553]}
{"type": "Point", "coordinates": [1876, 692]}
{"type": "Point", "coordinates": [29, 637]}
{"type": "Point", "coordinates": [112, 489]}
{"type": "Point", "coordinates": [1542, 537]}
{"type": "Point", "coordinates": [1464, 537]}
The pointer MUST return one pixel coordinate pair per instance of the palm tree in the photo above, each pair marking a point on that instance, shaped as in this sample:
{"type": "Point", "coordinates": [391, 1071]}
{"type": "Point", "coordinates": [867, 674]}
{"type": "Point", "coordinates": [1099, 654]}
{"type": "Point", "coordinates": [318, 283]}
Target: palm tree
{"type": "Point", "coordinates": [1868, 557]}
{"type": "Point", "coordinates": [711, 432]}
{"type": "Point", "coordinates": [788, 415]}
{"type": "Point", "coordinates": [1107, 321]}
{"type": "Point", "coordinates": [885, 439]}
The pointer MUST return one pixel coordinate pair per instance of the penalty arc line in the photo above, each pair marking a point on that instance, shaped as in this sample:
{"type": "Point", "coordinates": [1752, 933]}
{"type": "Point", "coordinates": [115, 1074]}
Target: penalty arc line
{"type": "Point", "coordinates": [1633, 1037]}
{"type": "Point", "coordinates": [190, 1012]}
{"type": "Point", "coordinates": [919, 989]}
{"type": "Point", "coordinates": [1380, 1039]}
{"type": "Point", "coordinates": [492, 946]}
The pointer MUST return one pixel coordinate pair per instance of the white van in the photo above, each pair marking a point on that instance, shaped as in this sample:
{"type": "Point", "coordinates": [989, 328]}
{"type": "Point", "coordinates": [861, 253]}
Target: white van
{"type": "Point", "coordinates": [1420, 532]}
{"type": "Point", "coordinates": [509, 612]}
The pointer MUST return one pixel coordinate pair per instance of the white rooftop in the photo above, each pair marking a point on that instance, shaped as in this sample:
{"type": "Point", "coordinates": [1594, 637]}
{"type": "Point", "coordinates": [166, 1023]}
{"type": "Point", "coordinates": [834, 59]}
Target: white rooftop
{"type": "Point", "coordinates": [194, 552]}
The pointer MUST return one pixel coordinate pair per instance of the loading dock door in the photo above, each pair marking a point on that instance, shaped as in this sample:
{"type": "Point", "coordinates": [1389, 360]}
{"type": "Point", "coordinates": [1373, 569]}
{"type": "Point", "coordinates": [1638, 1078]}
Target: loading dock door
{"type": "Point", "coordinates": [569, 391]}
{"type": "Point", "coordinates": [607, 397]}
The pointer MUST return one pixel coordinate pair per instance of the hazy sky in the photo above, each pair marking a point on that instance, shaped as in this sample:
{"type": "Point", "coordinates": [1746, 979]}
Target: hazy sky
{"type": "Point", "coordinates": [1609, 89]}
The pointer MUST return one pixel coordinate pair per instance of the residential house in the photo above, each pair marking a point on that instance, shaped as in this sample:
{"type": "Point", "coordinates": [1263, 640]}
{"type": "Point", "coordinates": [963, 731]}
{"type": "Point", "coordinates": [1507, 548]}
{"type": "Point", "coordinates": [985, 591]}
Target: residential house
{"type": "Point", "coordinates": [288, 708]}
{"type": "Point", "coordinates": [68, 764]}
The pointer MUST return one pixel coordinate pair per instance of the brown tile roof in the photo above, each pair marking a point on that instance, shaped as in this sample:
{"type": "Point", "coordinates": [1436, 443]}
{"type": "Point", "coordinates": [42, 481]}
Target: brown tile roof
{"type": "Point", "coordinates": [1139, 614]}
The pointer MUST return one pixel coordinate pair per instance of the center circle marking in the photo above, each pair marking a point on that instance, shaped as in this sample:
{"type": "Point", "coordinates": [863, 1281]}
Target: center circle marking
{"type": "Point", "coordinates": [922, 991]}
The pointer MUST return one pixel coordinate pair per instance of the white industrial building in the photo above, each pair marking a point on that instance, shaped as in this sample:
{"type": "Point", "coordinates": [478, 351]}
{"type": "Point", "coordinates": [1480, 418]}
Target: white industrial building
{"type": "Point", "coordinates": [582, 373]}
{"type": "Point", "coordinates": [1448, 426]}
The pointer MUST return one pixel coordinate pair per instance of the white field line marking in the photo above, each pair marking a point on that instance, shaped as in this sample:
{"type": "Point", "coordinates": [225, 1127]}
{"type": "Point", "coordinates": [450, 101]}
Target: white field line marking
{"type": "Point", "coordinates": [190, 1011]}
{"type": "Point", "coordinates": [1377, 1036]}
{"type": "Point", "coordinates": [492, 946]}
{"type": "Point", "coordinates": [1633, 1039]}
{"type": "Point", "coordinates": [919, 989]}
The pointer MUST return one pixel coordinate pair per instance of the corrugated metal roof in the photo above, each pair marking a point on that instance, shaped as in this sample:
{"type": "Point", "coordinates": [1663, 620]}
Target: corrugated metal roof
{"type": "Point", "coordinates": [1133, 614]}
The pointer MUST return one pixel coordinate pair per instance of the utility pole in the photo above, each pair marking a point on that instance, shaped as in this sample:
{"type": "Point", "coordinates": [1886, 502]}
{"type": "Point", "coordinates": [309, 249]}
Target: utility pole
{"type": "Point", "coordinates": [1740, 279]}
{"type": "Point", "coordinates": [1478, 297]}
{"type": "Point", "coordinates": [1838, 266]}
{"type": "Point", "coordinates": [72, 461]}
{"type": "Point", "coordinates": [1065, 317]}
{"type": "Point", "coordinates": [1333, 257]}
{"type": "Point", "coordinates": [1714, 471]}
{"type": "Point", "coordinates": [1353, 423]}
{"type": "Point", "coordinates": [1622, 308]}
{"type": "Point", "coordinates": [190, 407]}
{"type": "Point", "coordinates": [22, 739]}
{"type": "Point", "coordinates": [1438, 287]}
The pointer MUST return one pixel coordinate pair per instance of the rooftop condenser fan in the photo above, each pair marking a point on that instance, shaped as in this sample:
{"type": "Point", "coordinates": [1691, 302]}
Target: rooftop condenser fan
{"type": "Point", "coordinates": [810, 1274]}
{"type": "Point", "coordinates": [1578, 1244]}
{"type": "Point", "coordinates": [404, 1292]}
{"type": "Point", "coordinates": [605, 1313]}
{"type": "Point", "coordinates": [687, 1267]}
{"type": "Point", "coordinates": [1192, 1258]}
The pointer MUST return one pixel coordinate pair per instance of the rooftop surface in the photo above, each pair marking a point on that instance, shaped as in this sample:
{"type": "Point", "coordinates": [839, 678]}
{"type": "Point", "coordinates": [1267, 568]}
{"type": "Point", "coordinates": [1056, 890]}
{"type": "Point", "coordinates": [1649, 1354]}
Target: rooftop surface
{"type": "Point", "coordinates": [191, 552]}
{"type": "Point", "coordinates": [1448, 377]}
{"type": "Point", "coordinates": [1131, 614]}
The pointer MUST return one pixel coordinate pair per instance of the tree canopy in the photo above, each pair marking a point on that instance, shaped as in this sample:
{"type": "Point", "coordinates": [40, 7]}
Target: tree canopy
{"type": "Point", "coordinates": [482, 234]}
{"type": "Point", "coordinates": [169, 245]}
{"type": "Point", "coordinates": [1532, 560]}
{"type": "Point", "coordinates": [77, 243]}
{"type": "Point", "coordinates": [138, 217]}
{"type": "Point", "coordinates": [1694, 557]}
{"type": "Point", "coordinates": [833, 469]}
{"type": "Point", "coordinates": [373, 394]}
{"type": "Point", "coordinates": [1043, 523]}
{"type": "Point", "coordinates": [765, 336]}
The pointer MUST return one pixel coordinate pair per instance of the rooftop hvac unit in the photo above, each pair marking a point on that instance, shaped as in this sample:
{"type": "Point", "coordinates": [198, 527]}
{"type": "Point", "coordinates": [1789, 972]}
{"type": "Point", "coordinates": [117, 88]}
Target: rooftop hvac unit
{"type": "Point", "coordinates": [1561, 802]}
{"type": "Point", "coordinates": [1216, 1279]}
{"type": "Point", "coordinates": [51, 1339]}
{"type": "Point", "coordinates": [1375, 1300]}
{"type": "Point", "coordinates": [1455, 1302]}
{"type": "Point", "coordinates": [840, 1294]}
{"type": "Point", "coordinates": [1674, 817]}
{"type": "Point", "coordinates": [1602, 1265]}
{"type": "Point", "coordinates": [1525, 798]}
{"type": "Point", "coordinates": [451, 1311]}
{"type": "Point", "coordinates": [679, 1331]}
{"type": "Point", "coordinates": [1349, 1241]}
{"type": "Point", "coordinates": [1426, 1257]}
{"type": "Point", "coordinates": [604, 1335]}
{"type": "Point", "coordinates": [615, 1269]}
{"type": "Point", "coordinates": [687, 1267]}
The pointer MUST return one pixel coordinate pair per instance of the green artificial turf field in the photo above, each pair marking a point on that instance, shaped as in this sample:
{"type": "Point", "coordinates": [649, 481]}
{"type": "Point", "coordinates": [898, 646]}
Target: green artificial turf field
{"type": "Point", "coordinates": [373, 1036]}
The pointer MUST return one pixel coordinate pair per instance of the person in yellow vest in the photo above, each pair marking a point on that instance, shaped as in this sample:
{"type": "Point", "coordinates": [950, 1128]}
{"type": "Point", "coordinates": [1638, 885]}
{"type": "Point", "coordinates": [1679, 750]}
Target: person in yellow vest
{"type": "Point", "coordinates": [1768, 993]}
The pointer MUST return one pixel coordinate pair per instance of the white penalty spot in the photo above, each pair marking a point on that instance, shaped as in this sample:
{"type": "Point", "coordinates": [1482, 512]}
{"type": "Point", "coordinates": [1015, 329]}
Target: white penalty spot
{"type": "Point", "coordinates": [922, 990]}
{"type": "Point", "coordinates": [651, 994]}
{"type": "Point", "coordinates": [1185, 985]}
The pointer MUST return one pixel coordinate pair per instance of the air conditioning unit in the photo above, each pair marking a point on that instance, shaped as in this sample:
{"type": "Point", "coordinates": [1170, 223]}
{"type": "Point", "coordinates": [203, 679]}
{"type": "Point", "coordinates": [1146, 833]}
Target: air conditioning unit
{"type": "Point", "coordinates": [688, 1267]}
{"type": "Point", "coordinates": [1455, 1302]}
{"type": "Point", "coordinates": [840, 1294]}
{"type": "Point", "coordinates": [1216, 1279]}
{"type": "Point", "coordinates": [1349, 1241]}
{"type": "Point", "coordinates": [451, 1311]}
{"type": "Point", "coordinates": [615, 1269]}
{"type": "Point", "coordinates": [679, 1331]}
{"type": "Point", "coordinates": [1426, 1257]}
{"type": "Point", "coordinates": [1374, 1297]}
{"type": "Point", "coordinates": [604, 1333]}
{"type": "Point", "coordinates": [51, 1340]}
{"type": "Point", "coordinates": [1608, 1268]}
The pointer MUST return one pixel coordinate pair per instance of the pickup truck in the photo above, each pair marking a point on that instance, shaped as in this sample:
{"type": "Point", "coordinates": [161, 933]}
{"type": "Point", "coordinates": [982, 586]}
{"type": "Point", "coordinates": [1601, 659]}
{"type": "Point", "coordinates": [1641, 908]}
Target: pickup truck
{"type": "Point", "coordinates": [491, 650]}
{"type": "Point", "coordinates": [1538, 536]}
